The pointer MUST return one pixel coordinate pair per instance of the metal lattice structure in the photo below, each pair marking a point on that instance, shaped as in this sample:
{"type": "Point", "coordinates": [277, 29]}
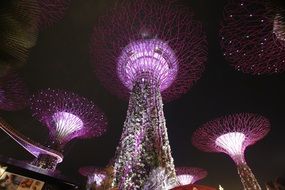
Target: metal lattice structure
{"type": "Point", "coordinates": [146, 50]}
{"type": "Point", "coordinates": [67, 116]}
{"type": "Point", "coordinates": [189, 175]}
{"type": "Point", "coordinates": [51, 11]}
{"type": "Point", "coordinates": [13, 93]}
{"type": "Point", "coordinates": [95, 175]}
{"type": "Point", "coordinates": [253, 36]}
{"type": "Point", "coordinates": [149, 51]}
{"type": "Point", "coordinates": [180, 39]}
{"type": "Point", "coordinates": [232, 134]}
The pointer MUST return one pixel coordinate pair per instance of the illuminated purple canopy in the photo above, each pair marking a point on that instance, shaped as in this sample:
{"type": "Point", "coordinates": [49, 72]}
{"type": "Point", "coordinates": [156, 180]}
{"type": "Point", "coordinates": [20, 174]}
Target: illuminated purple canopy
{"type": "Point", "coordinates": [13, 93]}
{"type": "Point", "coordinates": [51, 11]}
{"type": "Point", "coordinates": [94, 174]}
{"type": "Point", "coordinates": [253, 37]}
{"type": "Point", "coordinates": [231, 134]}
{"type": "Point", "coordinates": [189, 175]}
{"type": "Point", "coordinates": [151, 59]}
{"type": "Point", "coordinates": [148, 40]}
{"type": "Point", "coordinates": [67, 115]}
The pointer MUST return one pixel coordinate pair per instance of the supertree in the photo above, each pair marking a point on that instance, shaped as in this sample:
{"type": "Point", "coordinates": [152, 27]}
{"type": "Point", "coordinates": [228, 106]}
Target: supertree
{"type": "Point", "coordinates": [20, 21]}
{"type": "Point", "coordinates": [253, 36]}
{"type": "Point", "coordinates": [67, 116]}
{"type": "Point", "coordinates": [189, 175]}
{"type": "Point", "coordinates": [13, 93]}
{"type": "Point", "coordinates": [18, 32]}
{"type": "Point", "coordinates": [95, 176]}
{"type": "Point", "coordinates": [232, 134]}
{"type": "Point", "coordinates": [147, 50]}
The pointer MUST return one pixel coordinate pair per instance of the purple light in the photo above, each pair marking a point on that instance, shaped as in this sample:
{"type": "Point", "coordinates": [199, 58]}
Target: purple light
{"type": "Point", "coordinates": [152, 58]}
{"type": "Point", "coordinates": [189, 175]}
{"type": "Point", "coordinates": [253, 38]}
{"type": "Point", "coordinates": [67, 116]}
{"type": "Point", "coordinates": [232, 134]}
{"type": "Point", "coordinates": [185, 179]}
{"type": "Point", "coordinates": [232, 142]}
{"type": "Point", "coordinates": [13, 93]}
{"type": "Point", "coordinates": [67, 123]}
{"type": "Point", "coordinates": [141, 36]}
{"type": "Point", "coordinates": [146, 50]}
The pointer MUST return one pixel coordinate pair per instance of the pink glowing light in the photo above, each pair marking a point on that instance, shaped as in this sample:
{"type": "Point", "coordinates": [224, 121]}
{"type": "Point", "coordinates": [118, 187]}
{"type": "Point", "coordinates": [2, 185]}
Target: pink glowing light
{"type": "Point", "coordinates": [231, 142]}
{"type": "Point", "coordinates": [185, 179]}
{"type": "Point", "coordinates": [189, 175]}
{"type": "Point", "coordinates": [67, 123]}
{"type": "Point", "coordinates": [151, 57]}
{"type": "Point", "coordinates": [146, 50]}
{"type": "Point", "coordinates": [67, 115]}
{"type": "Point", "coordinates": [231, 134]}
{"type": "Point", "coordinates": [149, 38]}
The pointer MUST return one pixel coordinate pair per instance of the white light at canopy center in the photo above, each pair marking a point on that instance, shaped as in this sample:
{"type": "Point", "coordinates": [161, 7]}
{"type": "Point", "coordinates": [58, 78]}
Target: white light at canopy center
{"type": "Point", "coordinates": [66, 123]}
{"type": "Point", "coordinates": [231, 142]}
{"type": "Point", "coordinates": [185, 179]}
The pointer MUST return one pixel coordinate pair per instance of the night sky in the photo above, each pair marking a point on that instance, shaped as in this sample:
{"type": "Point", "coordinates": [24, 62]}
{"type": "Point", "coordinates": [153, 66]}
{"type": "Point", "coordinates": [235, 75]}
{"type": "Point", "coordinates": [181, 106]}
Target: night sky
{"type": "Point", "coordinates": [61, 59]}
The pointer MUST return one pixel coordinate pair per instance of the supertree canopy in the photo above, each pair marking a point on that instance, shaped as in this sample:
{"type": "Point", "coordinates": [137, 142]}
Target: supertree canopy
{"type": "Point", "coordinates": [18, 32]}
{"type": "Point", "coordinates": [95, 175]}
{"type": "Point", "coordinates": [148, 50]}
{"type": "Point", "coordinates": [189, 175]}
{"type": "Point", "coordinates": [67, 116]}
{"type": "Point", "coordinates": [232, 134]}
{"type": "Point", "coordinates": [51, 11]}
{"type": "Point", "coordinates": [20, 21]}
{"type": "Point", "coordinates": [13, 93]}
{"type": "Point", "coordinates": [253, 36]}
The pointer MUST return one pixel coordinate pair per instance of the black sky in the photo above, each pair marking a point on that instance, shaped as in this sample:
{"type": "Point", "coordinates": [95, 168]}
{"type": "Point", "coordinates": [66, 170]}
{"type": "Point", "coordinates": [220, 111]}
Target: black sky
{"type": "Point", "coordinates": [61, 60]}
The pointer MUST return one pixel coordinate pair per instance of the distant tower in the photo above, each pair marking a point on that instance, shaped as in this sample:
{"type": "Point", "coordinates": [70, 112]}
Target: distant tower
{"type": "Point", "coordinates": [253, 36]}
{"type": "Point", "coordinates": [147, 50]}
{"type": "Point", "coordinates": [67, 116]}
{"type": "Point", "coordinates": [13, 93]}
{"type": "Point", "coordinates": [189, 175]}
{"type": "Point", "coordinates": [95, 175]}
{"type": "Point", "coordinates": [232, 134]}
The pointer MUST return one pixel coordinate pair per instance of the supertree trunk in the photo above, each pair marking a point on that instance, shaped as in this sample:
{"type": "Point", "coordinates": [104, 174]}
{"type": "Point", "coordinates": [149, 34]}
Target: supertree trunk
{"type": "Point", "coordinates": [144, 144]}
{"type": "Point", "coordinates": [247, 178]}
